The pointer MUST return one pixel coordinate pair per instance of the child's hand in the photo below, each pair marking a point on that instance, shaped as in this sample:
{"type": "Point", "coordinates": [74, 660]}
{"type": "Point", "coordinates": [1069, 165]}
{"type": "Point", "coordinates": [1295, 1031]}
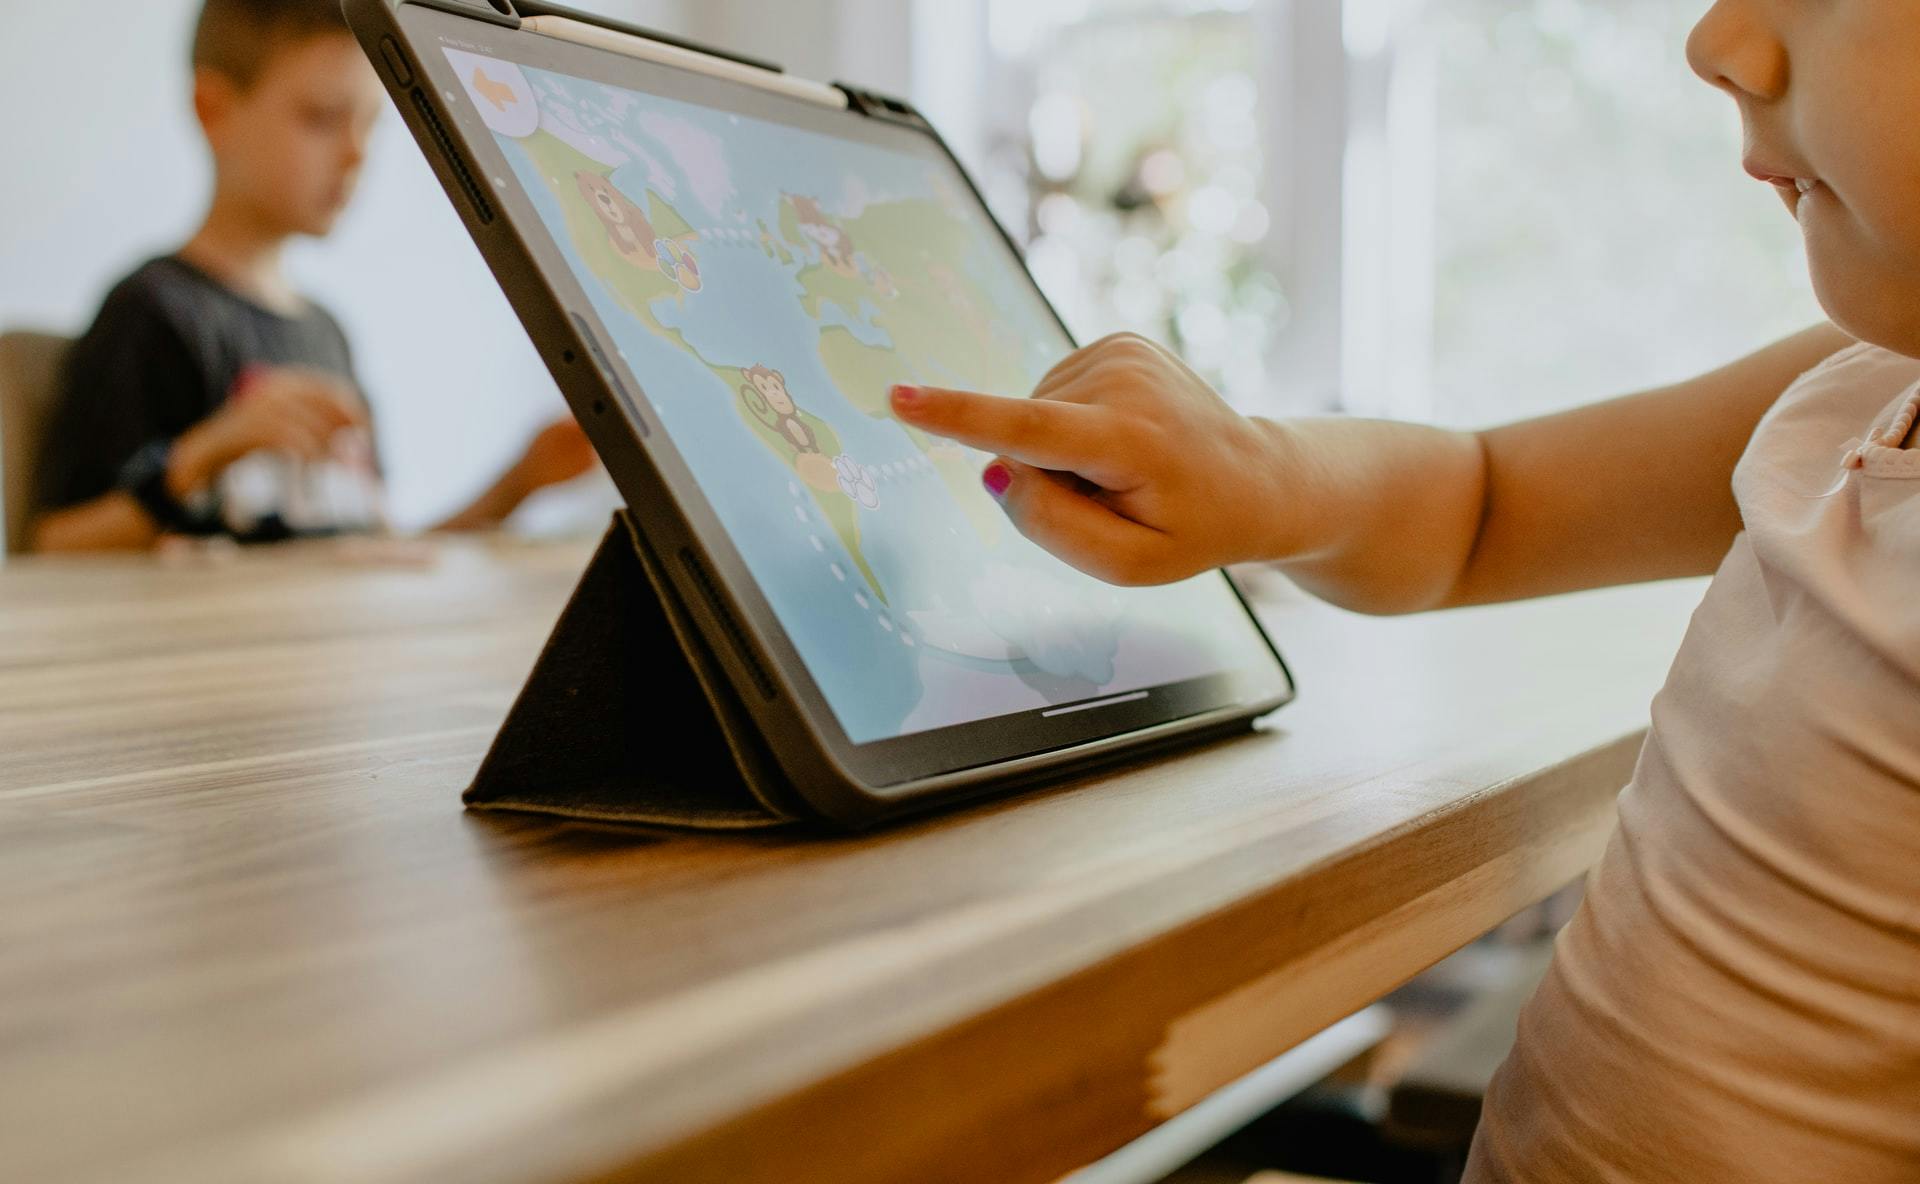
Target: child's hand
{"type": "Point", "coordinates": [1124, 463]}
{"type": "Point", "coordinates": [290, 409]}
{"type": "Point", "coordinates": [558, 454]}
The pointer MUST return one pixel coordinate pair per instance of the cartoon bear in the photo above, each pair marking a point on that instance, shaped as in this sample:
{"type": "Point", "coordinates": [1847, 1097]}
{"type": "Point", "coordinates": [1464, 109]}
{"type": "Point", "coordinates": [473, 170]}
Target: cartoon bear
{"type": "Point", "coordinates": [627, 226]}
{"type": "Point", "coordinates": [836, 245]}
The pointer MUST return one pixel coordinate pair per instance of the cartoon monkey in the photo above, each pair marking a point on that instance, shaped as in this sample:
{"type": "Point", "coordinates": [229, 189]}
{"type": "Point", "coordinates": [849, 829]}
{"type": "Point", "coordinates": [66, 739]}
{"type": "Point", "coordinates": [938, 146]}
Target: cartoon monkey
{"type": "Point", "coordinates": [767, 397]}
{"type": "Point", "coordinates": [836, 245]}
{"type": "Point", "coordinates": [627, 227]}
{"type": "Point", "coordinates": [769, 401]}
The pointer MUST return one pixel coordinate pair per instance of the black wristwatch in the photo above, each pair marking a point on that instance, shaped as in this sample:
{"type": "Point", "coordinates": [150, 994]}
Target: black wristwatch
{"type": "Point", "coordinates": [144, 478]}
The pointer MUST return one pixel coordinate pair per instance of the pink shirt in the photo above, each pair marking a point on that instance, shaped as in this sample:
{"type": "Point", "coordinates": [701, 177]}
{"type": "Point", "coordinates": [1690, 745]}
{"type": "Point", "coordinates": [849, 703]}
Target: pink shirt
{"type": "Point", "coordinates": [1738, 998]}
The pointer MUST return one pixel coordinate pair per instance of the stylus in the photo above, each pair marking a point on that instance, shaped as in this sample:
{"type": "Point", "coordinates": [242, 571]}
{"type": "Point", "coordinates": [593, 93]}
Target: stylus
{"type": "Point", "coordinates": [579, 32]}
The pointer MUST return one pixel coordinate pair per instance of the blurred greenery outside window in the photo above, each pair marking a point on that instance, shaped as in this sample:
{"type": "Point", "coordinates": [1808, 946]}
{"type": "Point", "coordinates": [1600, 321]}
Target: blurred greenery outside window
{"type": "Point", "coordinates": [1539, 204]}
{"type": "Point", "coordinates": [1136, 171]}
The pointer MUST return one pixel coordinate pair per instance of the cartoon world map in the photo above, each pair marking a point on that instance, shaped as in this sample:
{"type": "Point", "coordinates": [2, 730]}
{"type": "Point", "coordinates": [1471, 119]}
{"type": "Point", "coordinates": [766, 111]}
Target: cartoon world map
{"type": "Point", "coordinates": [768, 285]}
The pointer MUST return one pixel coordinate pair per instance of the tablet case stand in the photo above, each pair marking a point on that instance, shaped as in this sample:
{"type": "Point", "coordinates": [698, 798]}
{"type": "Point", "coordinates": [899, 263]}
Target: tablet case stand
{"type": "Point", "coordinates": [627, 717]}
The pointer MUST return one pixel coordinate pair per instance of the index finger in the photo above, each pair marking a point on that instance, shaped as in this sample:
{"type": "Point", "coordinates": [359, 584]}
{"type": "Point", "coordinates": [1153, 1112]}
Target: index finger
{"type": "Point", "coordinates": [1077, 438]}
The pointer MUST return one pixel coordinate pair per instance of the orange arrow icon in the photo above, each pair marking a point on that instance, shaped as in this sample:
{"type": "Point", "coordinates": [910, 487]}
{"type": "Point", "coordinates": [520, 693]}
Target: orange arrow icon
{"type": "Point", "coordinates": [498, 93]}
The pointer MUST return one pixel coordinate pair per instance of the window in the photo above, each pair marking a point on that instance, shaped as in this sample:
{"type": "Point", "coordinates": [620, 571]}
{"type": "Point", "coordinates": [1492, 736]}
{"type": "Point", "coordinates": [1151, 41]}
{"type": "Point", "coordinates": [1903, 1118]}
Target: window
{"type": "Point", "coordinates": [1593, 229]}
{"type": "Point", "coordinates": [1132, 160]}
{"type": "Point", "coordinates": [1460, 210]}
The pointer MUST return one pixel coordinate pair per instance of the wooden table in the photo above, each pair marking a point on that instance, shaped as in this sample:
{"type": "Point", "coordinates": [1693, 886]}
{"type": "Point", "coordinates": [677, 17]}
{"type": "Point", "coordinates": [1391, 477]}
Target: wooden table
{"type": "Point", "coordinates": [247, 933]}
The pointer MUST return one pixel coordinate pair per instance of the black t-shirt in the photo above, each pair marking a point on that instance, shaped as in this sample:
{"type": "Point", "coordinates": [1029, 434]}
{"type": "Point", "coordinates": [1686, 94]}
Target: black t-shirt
{"type": "Point", "coordinates": [166, 349]}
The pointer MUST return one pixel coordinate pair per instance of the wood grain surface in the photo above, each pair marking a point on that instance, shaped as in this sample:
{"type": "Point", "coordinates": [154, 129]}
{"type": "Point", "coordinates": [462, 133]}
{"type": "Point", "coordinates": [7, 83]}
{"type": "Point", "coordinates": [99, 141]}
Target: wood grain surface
{"type": "Point", "coordinates": [248, 934]}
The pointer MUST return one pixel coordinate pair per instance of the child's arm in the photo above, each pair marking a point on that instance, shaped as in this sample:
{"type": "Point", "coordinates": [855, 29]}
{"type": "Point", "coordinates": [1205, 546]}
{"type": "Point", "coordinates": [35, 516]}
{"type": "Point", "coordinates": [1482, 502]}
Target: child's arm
{"type": "Point", "coordinates": [287, 409]}
{"type": "Point", "coordinates": [559, 453]}
{"type": "Point", "coordinates": [110, 522]}
{"type": "Point", "coordinates": [1638, 488]}
{"type": "Point", "coordinates": [1127, 465]}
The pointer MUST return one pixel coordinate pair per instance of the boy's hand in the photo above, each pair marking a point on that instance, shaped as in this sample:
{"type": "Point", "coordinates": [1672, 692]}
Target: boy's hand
{"type": "Point", "coordinates": [290, 409]}
{"type": "Point", "coordinates": [1124, 463]}
{"type": "Point", "coordinates": [558, 454]}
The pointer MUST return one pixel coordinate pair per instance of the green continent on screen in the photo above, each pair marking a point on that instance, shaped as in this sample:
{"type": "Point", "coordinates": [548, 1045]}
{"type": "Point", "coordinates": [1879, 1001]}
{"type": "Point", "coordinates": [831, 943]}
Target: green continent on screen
{"type": "Point", "coordinates": [806, 444]}
{"type": "Point", "coordinates": [899, 269]}
{"type": "Point", "coordinates": [907, 261]}
{"type": "Point", "coordinates": [616, 238]}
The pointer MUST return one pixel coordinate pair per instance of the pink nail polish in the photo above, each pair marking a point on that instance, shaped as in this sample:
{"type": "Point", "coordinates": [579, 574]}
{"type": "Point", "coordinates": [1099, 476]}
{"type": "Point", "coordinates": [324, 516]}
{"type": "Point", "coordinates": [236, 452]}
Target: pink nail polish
{"type": "Point", "coordinates": [997, 478]}
{"type": "Point", "coordinates": [902, 393]}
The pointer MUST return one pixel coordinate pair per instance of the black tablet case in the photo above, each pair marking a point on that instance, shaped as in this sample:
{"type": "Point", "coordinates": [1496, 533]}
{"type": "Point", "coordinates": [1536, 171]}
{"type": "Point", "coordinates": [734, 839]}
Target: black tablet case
{"type": "Point", "coordinates": [628, 718]}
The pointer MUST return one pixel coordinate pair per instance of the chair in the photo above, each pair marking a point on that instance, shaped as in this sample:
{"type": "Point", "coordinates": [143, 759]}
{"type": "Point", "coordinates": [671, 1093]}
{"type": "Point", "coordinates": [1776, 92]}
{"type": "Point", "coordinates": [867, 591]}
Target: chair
{"type": "Point", "coordinates": [29, 382]}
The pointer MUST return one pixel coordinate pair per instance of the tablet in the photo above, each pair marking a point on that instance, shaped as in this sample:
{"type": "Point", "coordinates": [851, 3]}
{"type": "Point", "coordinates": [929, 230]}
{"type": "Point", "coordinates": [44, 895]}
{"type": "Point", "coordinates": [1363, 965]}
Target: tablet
{"type": "Point", "coordinates": [726, 269]}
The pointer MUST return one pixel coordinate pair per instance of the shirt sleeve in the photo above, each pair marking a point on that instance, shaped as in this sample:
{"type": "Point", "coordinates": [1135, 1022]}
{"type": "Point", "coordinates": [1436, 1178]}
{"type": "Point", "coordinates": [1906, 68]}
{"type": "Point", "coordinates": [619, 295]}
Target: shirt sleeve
{"type": "Point", "coordinates": [131, 380]}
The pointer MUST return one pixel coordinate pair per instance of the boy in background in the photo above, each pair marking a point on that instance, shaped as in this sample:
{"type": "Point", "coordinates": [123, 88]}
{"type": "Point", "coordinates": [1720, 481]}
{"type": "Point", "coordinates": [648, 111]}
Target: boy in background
{"type": "Point", "coordinates": [210, 396]}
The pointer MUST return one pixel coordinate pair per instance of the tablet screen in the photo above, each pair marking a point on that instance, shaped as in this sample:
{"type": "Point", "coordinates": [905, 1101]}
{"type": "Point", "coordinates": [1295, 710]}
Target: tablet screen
{"type": "Point", "coordinates": [764, 285]}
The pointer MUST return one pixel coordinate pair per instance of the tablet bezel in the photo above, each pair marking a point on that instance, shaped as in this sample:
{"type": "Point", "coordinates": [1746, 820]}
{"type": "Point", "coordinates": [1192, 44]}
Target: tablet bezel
{"type": "Point", "coordinates": [740, 624]}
